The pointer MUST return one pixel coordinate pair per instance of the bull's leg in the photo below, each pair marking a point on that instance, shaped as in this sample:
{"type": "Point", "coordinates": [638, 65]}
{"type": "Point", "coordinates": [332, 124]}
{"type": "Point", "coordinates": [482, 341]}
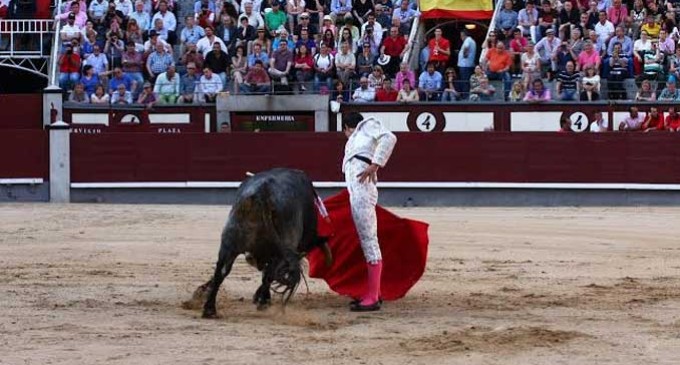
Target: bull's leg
{"type": "Point", "coordinates": [224, 264]}
{"type": "Point", "coordinates": [293, 273]}
{"type": "Point", "coordinates": [263, 296]}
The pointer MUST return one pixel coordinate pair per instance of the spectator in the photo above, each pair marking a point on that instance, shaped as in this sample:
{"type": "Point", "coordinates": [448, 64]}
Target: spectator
{"type": "Point", "coordinates": [70, 31]}
{"type": "Point", "coordinates": [304, 23]}
{"type": "Point", "coordinates": [653, 121]}
{"type": "Point", "coordinates": [308, 42]}
{"type": "Point", "coordinates": [406, 14]}
{"type": "Point", "coordinates": [258, 55]}
{"type": "Point", "coordinates": [245, 34]}
{"type": "Point", "coordinates": [293, 10]}
{"type": "Point", "coordinates": [547, 18]}
{"type": "Point", "coordinates": [468, 54]}
{"type": "Point", "coordinates": [89, 80]}
{"type": "Point", "coordinates": [652, 62]}
{"type": "Point", "coordinates": [393, 46]}
{"type": "Point", "coordinates": [364, 93]}
{"type": "Point", "coordinates": [218, 62]}
{"type": "Point", "coordinates": [499, 63]}
{"type": "Point", "coordinates": [538, 93]}
{"type": "Point", "coordinates": [365, 61]}
{"type": "Point", "coordinates": [275, 19]}
{"type": "Point", "coordinates": [340, 93]}
{"type": "Point", "coordinates": [565, 125]}
{"type": "Point", "coordinates": [406, 94]}
{"type": "Point", "coordinates": [209, 86]}
{"type": "Point", "coordinates": [210, 4]}
{"type": "Point", "coordinates": [121, 96]}
{"type": "Point", "coordinates": [206, 43]}
{"type": "Point", "coordinates": [670, 92]}
{"type": "Point", "coordinates": [69, 69]}
{"type": "Point", "coordinates": [134, 34]}
{"type": "Point", "coordinates": [483, 92]}
{"type": "Point", "coordinates": [651, 27]}
{"type": "Point", "coordinates": [375, 79]}
{"type": "Point", "coordinates": [531, 65]}
{"type": "Point", "coordinates": [547, 49]}
{"type": "Point", "coordinates": [147, 97]}
{"type": "Point", "coordinates": [450, 93]}
{"type": "Point", "coordinates": [167, 86]}
{"type": "Point", "coordinates": [569, 17]}
{"type": "Point", "coordinates": [119, 78]}
{"type": "Point", "coordinates": [254, 17]}
{"type": "Point", "coordinates": [617, 76]}
{"type": "Point", "coordinates": [97, 60]}
{"type": "Point", "coordinates": [386, 93]}
{"type": "Point", "coordinates": [645, 93]}
{"type": "Point", "coordinates": [191, 55]}
{"type": "Point", "coordinates": [315, 10]}
{"type": "Point", "coordinates": [158, 61]}
{"type": "Point", "coordinates": [589, 57]}
{"type": "Point", "coordinates": [188, 85]}
{"type": "Point", "coordinates": [125, 7]}
{"type": "Point", "coordinates": [142, 17]}
{"type": "Point", "coordinates": [382, 16]}
{"type": "Point", "coordinates": [404, 74]}
{"type": "Point", "coordinates": [666, 43]}
{"type": "Point", "coordinates": [633, 122]}
{"type": "Point", "coordinates": [674, 65]}
{"type": "Point", "coordinates": [476, 76]}
{"type": "Point", "coordinates": [430, 83]}
{"type": "Point", "coordinates": [190, 34]}
{"type": "Point", "coordinates": [280, 63]}
{"type": "Point", "coordinates": [169, 20]}
{"type": "Point", "coordinates": [353, 30]}
{"type": "Point", "coordinates": [281, 37]}
{"type": "Point", "coordinates": [205, 17]}
{"type": "Point", "coordinates": [625, 42]}
{"type": "Point", "coordinates": [517, 92]}
{"type": "Point", "coordinates": [345, 64]}
{"type": "Point", "coordinates": [604, 28]}
{"type": "Point", "coordinates": [97, 10]}
{"type": "Point", "coordinates": [361, 9]}
{"type": "Point", "coordinates": [112, 15]}
{"type": "Point", "coordinates": [340, 9]}
{"type": "Point", "coordinates": [153, 41]}
{"type": "Point", "coordinates": [598, 125]}
{"type": "Point", "coordinates": [115, 48]}
{"type": "Point", "coordinates": [506, 19]}
{"type": "Point", "coordinates": [78, 15]}
{"type": "Point", "coordinates": [227, 33]}
{"type": "Point", "coordinates": [263, 40]}
{"type": "Point", "coordinates": [304, 67]}
{"type": "Point", "coordinates": [589, 93]}
{"type": "Point", "coordinates": [617, 13]}
{"type": "Point", "coordinates": [440, 50]}
{"type": "Point", "coordinates": [323, 66]}
{"type": "Point", "coordinates": [99, 96]}
{"type": "Point", "coordinates": [568, 84]}
{"type": "Point", "coordinates": [528, 20]}
{"type": "Point", "coordinates": [672, 122]}
{"type": "Point", "coordinates": [79, 95]}
{"type": "Point", "coordinates": [256, 80]}
{"type": "Point", "coordinates": [591, 77]}
{"type": "Point", "coordinates": [239, 66]}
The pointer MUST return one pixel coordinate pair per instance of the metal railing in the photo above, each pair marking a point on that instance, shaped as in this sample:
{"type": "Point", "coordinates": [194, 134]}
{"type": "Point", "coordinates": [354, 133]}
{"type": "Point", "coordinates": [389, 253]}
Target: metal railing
{"type": "Point", "coordinates": [54, 54]}
{"type": "Point", "coordinates": [492, 26]}
{"type": "Point", "coordinates": [25, 38]}
{"type": "Point", "coordinates": [413, 41]}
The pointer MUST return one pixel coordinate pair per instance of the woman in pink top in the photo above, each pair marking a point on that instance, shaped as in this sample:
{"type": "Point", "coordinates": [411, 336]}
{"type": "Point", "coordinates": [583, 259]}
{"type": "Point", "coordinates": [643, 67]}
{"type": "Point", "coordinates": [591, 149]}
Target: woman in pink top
{"type": "Point", "coordinates": [589, 57]}
{"type": "Point", "coordinates": [404, 74]}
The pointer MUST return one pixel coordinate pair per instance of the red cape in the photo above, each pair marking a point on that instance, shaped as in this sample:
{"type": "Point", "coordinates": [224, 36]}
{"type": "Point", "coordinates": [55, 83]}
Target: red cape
{"type": "Point", "coordinates": [403, 243]}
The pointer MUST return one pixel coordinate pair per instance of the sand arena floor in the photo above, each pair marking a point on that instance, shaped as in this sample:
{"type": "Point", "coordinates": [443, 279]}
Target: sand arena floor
{"type": "Point", "coordinates": [103, 284]}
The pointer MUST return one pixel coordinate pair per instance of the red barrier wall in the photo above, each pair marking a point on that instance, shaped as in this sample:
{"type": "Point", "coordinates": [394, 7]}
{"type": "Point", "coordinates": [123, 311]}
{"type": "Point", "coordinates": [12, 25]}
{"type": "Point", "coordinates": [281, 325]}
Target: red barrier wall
{"type": "Point", "coordinates": [21, 111]}
{"type": "Point", "coordinates": [25, 154]}
{"type": "Point", "coordinates": [438, 157]}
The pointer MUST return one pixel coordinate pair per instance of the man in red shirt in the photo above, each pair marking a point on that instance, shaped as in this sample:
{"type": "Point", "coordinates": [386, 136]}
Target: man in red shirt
{"type": "Point", "coordinates": [440, 50]}
{"type": "Point", "coordinates": [69, 68]}
{"type": "Point", "coordinates": [672, 120]}
{"type": "Point", "coordinates": [387, 92]}
{"type": "Point", "coordinates": [653, 121]}
{"type": "Point", "coordinates": [393, 46]}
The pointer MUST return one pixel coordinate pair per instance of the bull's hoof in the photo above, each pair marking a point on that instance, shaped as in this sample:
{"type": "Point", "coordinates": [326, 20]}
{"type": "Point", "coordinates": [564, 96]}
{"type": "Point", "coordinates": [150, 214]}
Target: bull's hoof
{"type": "Point", "coordinates": [263, 306]}
{"type": "Point", "coordinates": [210, 314]}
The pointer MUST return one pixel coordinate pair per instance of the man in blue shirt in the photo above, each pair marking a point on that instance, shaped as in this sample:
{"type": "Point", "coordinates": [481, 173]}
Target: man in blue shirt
{"type": "Point", "coordinates": [429, 83]}
{"type": "Point", "coordinates": [466, 61]}
{"type": "Point", "coordinates": [507, 19]}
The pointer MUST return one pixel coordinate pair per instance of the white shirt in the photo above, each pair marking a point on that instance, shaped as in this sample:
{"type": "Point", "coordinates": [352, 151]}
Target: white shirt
{"type": "Point", "coordinates": [98, 9]}
{"type": "Point", "coordinates": [372, 140]}
{"type": "Point", "coordinates": [143, 20]}
{"type": "Point", "coordinates": [204, 45]}
{"type": "Point", "coordinates": [364, 95]}
{"type": "Point", "coordinates": [377, 32]}
{"type": "Point", "coordinates": [212, 86]}
{"type": "Point", "coordinates": [594, 127]}
{"type": "Point", "coordinates": [169, 20]}
{"type": "Point", "coordinates": [125, 7]}
{"type": "Point", "coordinates": [257, 6]}
{"type": "Point", "coordinates": [70, 30]}
{"type": "Point", "coordinates": [604, 31]}
{"type": "Point", "coordinates": [255, 19]}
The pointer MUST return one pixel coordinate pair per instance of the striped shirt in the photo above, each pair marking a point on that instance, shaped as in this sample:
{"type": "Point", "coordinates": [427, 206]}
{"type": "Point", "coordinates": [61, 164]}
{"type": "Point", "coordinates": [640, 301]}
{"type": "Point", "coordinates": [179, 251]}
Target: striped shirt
{"type": "Point", "coordinates": [159, 62]}
{"type": "Point", "coordinates": [568, 81]}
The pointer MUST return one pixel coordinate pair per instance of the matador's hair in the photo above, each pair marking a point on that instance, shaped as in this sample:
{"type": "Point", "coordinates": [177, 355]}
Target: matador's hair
{"type": "Point", "coordinates": [351, 120]}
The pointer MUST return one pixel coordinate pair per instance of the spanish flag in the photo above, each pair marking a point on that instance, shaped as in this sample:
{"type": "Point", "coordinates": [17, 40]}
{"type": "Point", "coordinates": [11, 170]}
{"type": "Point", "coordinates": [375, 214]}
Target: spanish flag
{"type": "Point", "coordinates": [457, 9]}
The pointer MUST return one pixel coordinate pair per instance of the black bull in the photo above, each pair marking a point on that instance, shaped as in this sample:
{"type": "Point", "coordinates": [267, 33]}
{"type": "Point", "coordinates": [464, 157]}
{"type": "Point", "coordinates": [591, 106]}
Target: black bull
{"type": "Point", "coordinates": [273, 222]}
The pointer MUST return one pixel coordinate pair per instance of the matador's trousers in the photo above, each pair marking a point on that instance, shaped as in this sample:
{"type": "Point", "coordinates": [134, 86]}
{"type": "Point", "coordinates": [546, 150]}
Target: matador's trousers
{"type": "Point", "coordinates": [363, 197]}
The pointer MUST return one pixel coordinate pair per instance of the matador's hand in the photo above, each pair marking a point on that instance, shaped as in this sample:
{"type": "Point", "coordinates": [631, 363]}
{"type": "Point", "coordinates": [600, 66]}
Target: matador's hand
{"type": "Point", "coordinates": [369, 174]}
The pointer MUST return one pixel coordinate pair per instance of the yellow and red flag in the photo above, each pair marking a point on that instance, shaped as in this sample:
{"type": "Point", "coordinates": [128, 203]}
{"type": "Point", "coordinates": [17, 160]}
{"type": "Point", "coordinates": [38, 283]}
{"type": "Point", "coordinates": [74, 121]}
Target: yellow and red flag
{"type": "Point", "coordinates": [457, 9]}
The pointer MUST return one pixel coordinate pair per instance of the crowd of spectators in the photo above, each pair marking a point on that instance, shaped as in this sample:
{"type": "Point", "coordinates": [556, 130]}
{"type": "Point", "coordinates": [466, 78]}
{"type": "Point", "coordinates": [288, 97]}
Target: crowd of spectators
{"type": "Point", "coordinates": [576, 44]}
{"type": "Point", "coordinates": [127, 51]}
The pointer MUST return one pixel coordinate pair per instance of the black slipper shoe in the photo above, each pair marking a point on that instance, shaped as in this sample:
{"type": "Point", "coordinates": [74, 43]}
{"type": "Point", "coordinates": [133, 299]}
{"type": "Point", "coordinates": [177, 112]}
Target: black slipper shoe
{"type": "Point", "coordinates": [357, 301]}
{"type": "Point", "coordinates": [365, 308]}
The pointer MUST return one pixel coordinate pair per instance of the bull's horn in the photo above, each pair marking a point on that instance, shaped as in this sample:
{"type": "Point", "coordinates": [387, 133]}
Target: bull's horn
{"type": "Point", "coordinates": [327, 254]}
{"type": "Point", "coordinates": [249, 174]}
